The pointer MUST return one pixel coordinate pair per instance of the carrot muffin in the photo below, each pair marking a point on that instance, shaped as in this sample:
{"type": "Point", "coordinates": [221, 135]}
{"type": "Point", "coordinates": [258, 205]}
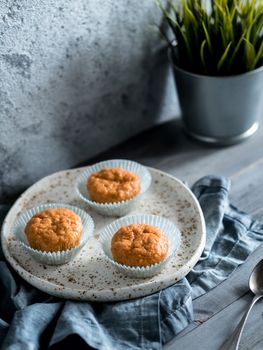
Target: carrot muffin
{"type": "Point", "coordinates": [111, 185]}
{"type": "Point", "coordinates": [54, 229]}
{"type": "Point", "coordinates": [139, 245]}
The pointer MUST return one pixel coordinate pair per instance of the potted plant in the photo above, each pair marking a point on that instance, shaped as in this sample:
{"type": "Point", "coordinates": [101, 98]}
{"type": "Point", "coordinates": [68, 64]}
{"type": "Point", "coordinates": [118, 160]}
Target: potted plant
{"type": "Point", "coordinates": [217, 59]}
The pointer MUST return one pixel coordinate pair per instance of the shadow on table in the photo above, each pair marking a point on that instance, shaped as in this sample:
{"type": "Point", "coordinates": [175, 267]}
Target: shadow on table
{"type": "Point", "coordinates": [154, 145]}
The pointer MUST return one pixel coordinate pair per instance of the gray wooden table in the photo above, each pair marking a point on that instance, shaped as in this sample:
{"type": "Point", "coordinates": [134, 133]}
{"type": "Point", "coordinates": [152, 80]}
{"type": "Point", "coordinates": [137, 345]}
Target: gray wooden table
{"type": "Point", "coordinates": [167, 148]}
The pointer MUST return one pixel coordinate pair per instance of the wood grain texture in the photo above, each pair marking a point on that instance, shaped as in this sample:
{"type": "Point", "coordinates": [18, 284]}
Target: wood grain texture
{"type": "Point", "coordinates": [167, 148]}
{"type": "Point", "coordinates": [218, 312]}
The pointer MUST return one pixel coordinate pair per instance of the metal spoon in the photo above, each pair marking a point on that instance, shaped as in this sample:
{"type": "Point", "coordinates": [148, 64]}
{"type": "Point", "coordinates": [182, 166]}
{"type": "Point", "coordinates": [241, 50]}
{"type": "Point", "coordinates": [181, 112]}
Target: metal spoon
{"type": "Point", "coordinates": [256, 286]}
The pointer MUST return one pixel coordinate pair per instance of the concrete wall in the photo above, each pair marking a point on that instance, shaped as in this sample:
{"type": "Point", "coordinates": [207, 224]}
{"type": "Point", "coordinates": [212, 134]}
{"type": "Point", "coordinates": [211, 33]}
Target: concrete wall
{"type": "Point", "coordinates": [76, 77]}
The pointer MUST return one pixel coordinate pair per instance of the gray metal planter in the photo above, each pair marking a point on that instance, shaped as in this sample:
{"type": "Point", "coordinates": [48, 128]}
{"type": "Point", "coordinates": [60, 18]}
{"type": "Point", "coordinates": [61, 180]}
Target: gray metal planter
{"type": "Point", "coordinates": [221, 110]}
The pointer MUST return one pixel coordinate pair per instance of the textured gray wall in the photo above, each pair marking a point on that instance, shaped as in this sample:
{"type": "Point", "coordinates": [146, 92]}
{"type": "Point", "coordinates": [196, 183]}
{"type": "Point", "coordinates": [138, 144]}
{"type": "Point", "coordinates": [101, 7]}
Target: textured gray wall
{"type": "Point", "coordinates": [75, 78]}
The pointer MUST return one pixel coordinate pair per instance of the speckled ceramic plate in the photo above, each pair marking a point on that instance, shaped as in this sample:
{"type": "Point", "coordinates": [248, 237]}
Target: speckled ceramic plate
{"type": "Point", "coordinates": [89, 276]}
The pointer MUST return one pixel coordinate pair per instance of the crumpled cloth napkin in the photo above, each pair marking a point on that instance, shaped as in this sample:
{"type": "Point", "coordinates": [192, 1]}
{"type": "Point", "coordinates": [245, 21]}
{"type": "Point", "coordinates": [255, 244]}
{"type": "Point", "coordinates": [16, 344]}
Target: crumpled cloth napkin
{"type": "Point", "coordinates": [30, 319]}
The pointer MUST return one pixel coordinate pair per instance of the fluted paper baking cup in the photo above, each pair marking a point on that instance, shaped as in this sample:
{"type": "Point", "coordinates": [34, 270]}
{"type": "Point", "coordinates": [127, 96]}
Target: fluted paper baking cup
{"type": "Point", "coordinates": [53, 258]}
{"type": "Point", "coordinates": [118, 208]}
{"type": "Point", "coordinates": [169, 229]}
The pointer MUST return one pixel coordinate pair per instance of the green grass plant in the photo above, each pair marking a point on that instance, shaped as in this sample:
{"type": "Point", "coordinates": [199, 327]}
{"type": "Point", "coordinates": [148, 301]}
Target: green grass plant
{"type": "Point", "coordinates": [220, 37]}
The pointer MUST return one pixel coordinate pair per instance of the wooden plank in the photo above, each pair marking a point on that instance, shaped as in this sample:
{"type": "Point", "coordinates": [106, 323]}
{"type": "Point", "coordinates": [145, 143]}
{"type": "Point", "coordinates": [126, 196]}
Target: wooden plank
{"type": "Point", "coordinates": [220, 298]}
{"type": "Point", "coordinates": [247, 189]}
{"type": "Point", "coordinates": [212, 334]}
{"type": "Point", "coordinates": [252, 337]}
{"type": "Point", "coordinates": [197, 162]}
{"type": "Point", "coordinates": [250, 182]}
{"type": "Point", "coordinates": [167, 148]}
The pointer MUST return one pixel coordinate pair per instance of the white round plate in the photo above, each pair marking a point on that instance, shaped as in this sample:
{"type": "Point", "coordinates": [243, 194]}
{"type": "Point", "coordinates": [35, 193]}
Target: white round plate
{"type": "Point", "coordinates": [89, 276]}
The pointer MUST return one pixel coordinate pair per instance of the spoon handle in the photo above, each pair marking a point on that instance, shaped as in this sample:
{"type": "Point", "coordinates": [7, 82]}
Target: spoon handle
{"type": "Point", "coordinates": [233, 342]}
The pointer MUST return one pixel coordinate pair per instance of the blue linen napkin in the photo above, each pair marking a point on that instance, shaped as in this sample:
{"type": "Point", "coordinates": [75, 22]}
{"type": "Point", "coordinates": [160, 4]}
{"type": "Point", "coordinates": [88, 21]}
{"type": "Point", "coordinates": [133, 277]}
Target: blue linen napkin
{"type": "Point", "coordinates": [30, 319]}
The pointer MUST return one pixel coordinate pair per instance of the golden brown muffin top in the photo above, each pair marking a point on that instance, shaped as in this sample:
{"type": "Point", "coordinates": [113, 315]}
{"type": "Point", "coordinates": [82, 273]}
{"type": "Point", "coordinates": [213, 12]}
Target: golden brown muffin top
{"type": "Point", "coordinates": [139, 245]}
{"type": "Point", "coordinates": [111, 185]}
{"type": "Point", "coordinates": [54, 229]}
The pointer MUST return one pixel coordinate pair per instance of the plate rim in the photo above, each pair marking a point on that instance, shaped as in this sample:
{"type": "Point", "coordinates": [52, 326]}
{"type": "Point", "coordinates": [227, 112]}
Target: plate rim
{"type": "Point", "coordinates": [76, 294]}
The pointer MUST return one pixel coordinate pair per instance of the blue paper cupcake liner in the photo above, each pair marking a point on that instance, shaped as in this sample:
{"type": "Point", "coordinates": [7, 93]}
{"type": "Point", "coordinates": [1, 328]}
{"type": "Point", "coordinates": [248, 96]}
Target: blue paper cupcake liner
{"type": "Point", "coordinates": [118, 208]}
{"type": "Point", "coordinates": [52, 258]}
{"type": "Point", "coordinates": [169, 229]}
